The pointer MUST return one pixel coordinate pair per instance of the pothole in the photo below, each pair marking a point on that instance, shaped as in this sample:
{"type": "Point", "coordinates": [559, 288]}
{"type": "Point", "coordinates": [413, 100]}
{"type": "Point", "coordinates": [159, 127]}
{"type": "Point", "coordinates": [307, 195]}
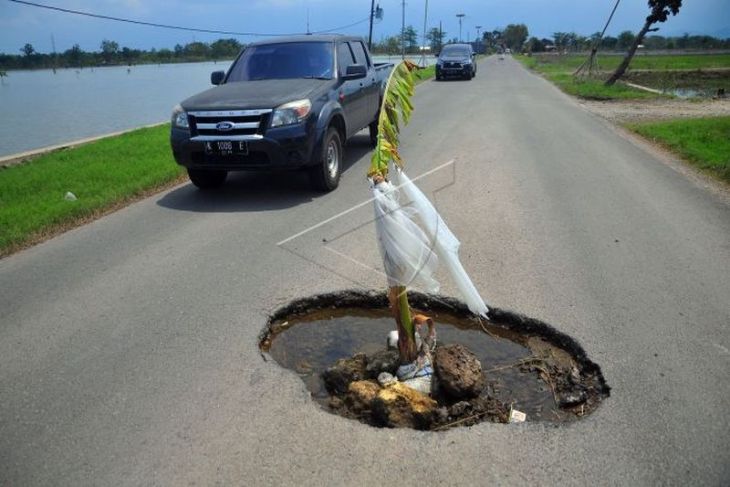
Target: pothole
{"type": "Point", "coordinates": [528, 365]}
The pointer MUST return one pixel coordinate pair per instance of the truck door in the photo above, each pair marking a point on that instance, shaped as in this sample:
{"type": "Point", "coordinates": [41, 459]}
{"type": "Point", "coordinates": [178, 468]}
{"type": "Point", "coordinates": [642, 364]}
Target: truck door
{"type": "Point", "coordinates": [351, 96]}
{"type": "Point", "coordinates": [368, 84]}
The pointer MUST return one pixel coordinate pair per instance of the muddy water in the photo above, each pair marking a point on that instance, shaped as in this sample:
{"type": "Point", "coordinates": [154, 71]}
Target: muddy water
{"type": "Point", "coordinates": [684, 84]}
{"type": "Point", "coordinates": [309, 343]}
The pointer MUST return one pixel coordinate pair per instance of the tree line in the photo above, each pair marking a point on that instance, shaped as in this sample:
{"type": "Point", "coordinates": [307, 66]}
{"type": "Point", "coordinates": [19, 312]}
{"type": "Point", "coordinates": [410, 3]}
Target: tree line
{"type": "Point", "coordinates": [111, 54]}
{"type": "Point", "coordinates": [516, 37]}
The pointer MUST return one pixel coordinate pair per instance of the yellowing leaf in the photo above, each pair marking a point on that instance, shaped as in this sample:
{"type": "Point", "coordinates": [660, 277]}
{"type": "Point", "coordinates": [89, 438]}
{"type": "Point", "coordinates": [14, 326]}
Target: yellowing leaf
{"type": "Point", "coordinates": [395, 108]}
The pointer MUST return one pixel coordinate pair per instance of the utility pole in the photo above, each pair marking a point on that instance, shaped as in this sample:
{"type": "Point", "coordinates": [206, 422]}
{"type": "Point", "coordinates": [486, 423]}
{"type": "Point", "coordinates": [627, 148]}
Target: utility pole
{"type": "Point", "coordinates": [372, 13]}
{"type": "Point", "coordinates": [479, 27]}
{"type": "Point", "coordinates": [461, 16]}
{"type": "Point", "coordinates": [55, 58]}
{"type": "Point", "coordinates": [403, 31]}
{"type": "Point", "coordinates": [425, 26]}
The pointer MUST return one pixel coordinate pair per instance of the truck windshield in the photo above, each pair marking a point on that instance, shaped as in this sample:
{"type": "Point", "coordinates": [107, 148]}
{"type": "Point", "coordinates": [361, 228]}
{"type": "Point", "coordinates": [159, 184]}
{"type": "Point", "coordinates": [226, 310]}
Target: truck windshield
{"type": "Point", "coordinates": [284, 61]}
{"type": "Point", "coordinates": [455, 51]}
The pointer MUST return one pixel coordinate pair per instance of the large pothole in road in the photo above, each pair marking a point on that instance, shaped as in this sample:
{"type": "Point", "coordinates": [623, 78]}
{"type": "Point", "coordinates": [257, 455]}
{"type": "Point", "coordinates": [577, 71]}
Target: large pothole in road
{"type": "Point", "coordinates": [527, 365]}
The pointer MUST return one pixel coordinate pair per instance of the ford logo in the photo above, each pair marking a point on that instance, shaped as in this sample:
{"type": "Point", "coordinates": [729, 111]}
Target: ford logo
{"type": "Point", "coordinates": [224, 126]}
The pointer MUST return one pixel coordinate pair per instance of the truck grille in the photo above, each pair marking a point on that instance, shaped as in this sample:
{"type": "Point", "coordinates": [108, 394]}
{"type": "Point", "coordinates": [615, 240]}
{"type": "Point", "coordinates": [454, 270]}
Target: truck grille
{"type": "Point", "coordinates": [228, 124]}
{"type": "Point", "coordinates": [452, 65]}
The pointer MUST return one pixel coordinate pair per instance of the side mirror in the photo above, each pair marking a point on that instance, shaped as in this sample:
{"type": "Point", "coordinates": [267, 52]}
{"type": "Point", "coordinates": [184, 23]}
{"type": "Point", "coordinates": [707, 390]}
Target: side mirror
{"type": "Point", "coordinates": [356, 71]}
{"type": "Point", "coordinates": [216, 77]}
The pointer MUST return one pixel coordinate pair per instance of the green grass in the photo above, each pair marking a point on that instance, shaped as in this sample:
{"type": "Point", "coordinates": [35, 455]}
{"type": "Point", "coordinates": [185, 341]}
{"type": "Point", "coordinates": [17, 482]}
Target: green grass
{"type": "Point", "coordinates": [705, 142]}
{"type": "Point", "coordinates": [103, 175]}
{"type": "Point", "coordinates": [559, 69]}
{"type": "Point", "coordinates": [570, 62]}
{"type": "Point", "coordinates": [560, 73]}
{"type": "Point", "coordinates": [425, 73]}
{"type": "Point", "coordinates": [594, 89]}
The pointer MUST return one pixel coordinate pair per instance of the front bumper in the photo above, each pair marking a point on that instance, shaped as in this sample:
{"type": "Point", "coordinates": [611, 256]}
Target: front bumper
{"type": "Point", "coordinates": [453, 70]}
{"type": "Point", "coordinates": [280, 148]}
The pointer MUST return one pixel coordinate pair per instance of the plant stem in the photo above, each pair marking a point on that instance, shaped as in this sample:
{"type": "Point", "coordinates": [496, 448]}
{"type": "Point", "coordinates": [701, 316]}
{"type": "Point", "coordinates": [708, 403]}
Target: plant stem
{"type": "Point", "coordinates": [406, 330]}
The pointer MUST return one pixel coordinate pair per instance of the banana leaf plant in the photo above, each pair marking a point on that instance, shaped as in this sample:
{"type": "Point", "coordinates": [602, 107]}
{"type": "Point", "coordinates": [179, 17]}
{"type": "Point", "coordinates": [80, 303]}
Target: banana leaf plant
{"type": "Point", "coordinates": [396, 105]}
{"type": "Point", "coordinates": [410, 251]}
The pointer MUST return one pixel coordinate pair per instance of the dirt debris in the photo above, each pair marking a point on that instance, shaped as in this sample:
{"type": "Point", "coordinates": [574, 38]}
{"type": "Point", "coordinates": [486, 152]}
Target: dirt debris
{"type": "Point", "coordinates": [630, 111]}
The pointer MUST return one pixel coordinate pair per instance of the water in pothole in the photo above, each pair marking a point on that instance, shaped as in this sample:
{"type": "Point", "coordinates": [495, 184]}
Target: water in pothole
{"type": "Point", "coordinates": [523, 371]}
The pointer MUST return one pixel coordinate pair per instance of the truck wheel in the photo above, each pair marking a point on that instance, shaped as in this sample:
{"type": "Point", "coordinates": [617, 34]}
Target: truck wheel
{"type": "Point", "coordinates": [205, 179]}
{"type": "Point", "coordinates": [373, 129]}
{"type": "Point", "coordinates": [325, 175]}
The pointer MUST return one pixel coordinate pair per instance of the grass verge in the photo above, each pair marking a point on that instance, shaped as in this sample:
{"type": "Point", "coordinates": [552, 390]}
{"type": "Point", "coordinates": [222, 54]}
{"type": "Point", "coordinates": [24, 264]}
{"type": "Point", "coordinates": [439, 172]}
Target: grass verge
{"type": "Point", "coordinates": [705, 142]}
{"type": "Point", "coordinates": [103, 175]}
{"type": "Point", "coordinates": [570, 62]}
{"type": "Point", "coordinates": [560, 73]}
{"type": "Point", "coordinates": [425, 73]}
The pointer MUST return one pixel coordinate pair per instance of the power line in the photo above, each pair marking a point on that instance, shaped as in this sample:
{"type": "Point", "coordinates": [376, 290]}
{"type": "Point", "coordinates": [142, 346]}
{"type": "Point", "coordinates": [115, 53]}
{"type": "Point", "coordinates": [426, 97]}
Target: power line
{"type": "Point", "coordinates": [174, 27]}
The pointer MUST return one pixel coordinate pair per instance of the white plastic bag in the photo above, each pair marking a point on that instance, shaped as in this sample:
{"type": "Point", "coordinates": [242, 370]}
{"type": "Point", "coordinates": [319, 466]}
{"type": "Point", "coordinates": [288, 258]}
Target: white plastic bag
{"type": "Point", "coordinates": [440, 240]}
{"type": "Point", "coordinates": [407, 257]}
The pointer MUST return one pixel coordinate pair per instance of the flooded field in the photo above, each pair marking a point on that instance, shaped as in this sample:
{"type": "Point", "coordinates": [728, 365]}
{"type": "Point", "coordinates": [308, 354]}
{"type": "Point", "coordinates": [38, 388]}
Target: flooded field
{"type": "Point", "coordinates": [701, 83]}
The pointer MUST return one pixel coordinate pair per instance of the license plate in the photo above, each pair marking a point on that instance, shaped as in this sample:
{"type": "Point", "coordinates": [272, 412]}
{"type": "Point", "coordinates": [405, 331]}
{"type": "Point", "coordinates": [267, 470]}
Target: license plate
{"type": "Point", "coordinates": [227, 147]}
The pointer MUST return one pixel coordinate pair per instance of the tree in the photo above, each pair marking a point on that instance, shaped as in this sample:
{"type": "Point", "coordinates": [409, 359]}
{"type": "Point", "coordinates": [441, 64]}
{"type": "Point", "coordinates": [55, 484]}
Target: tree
{"type": "Point", "coordinates": [225, 48]}
{"type": "Point", "coordinates": [514, 36]}
{"type": "Point", "coordinates": [561, 40]}
{"type": "Point", "coordinates": [27, 50]}
{"type": "Point", "coordinates": [435, 38]}
{"type": "Point", "coordinates": [74, 55]}
{"type": "Point", "coordinates": [660, 11]}
{"type": "Point", "coordinates": [535, 45]}
{"type": "Point", "coordinates": [609, 42]}
{"type": "Point", "coordinates": [625, 39]}
{"type": "Point", "coordinates": [197, 50]}
{"type": "Point", "coordinates": [410, 39]}
{"type": "Point", "coordinates": [109, 50]}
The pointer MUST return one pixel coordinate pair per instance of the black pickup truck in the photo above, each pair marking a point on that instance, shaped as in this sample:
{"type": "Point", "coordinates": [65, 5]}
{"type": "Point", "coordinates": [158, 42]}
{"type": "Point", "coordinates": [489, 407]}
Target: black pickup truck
{"type": "Point", "coordinates": [289, 103]}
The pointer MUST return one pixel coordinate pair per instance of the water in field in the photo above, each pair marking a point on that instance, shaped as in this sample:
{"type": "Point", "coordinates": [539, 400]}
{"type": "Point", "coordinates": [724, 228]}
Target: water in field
{"type": "Point", "coordinates": [41, 108]}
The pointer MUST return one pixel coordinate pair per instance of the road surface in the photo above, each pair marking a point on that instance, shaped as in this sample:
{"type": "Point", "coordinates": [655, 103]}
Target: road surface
{"type": "Point", "coordinates": [128, 347]}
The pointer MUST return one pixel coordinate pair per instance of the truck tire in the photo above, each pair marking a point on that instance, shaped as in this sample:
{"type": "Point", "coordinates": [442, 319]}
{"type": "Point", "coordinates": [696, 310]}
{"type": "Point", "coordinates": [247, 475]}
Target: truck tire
{"type": "Point", "coordinates": [373, 129]}
{"type": "Point", "coordinates": [325, 175]}
{"type": "Point", "coordinates": [207, 179]}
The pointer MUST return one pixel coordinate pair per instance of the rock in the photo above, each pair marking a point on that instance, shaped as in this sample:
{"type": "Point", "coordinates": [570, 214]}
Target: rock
{"type": "Point", "coordinates": [338, 377]}
{"type": "Point", "coordinates": [459, 409]}
{"type": "Point", "coordinates": [383, 361]}
{"type": "Point", "coordinates": [386, 379]}
{"type": "Point", "coordinates": [335, 403]}
{"type": "Point", "coordinates": [571, 399]}
{"type": "Point", "coordinates": [459, 372]}
{"type": "Point", "coordinates": [441, 415]}
{"type": "Point", "coordinates": [399, 406]}
{"type": "Point", "coordinates": [360, 395]}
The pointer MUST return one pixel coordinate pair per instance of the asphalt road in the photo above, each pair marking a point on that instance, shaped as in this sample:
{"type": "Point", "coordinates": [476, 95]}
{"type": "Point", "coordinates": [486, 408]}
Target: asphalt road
{"type": "Point", "coordinates": [128, 347]}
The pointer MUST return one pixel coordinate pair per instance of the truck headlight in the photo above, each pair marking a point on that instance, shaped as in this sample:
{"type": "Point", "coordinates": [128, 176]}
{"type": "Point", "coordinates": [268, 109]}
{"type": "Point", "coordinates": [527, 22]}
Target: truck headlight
{"type": "Point", "coordinates": [179, 117]}
{"type": "Point", "coordinates": [290, 113]}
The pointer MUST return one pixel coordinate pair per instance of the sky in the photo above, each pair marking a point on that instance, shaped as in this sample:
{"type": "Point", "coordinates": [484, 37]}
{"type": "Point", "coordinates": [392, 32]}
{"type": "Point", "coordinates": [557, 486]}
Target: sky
{"type": "Point", "coordinates": [21, 24]}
